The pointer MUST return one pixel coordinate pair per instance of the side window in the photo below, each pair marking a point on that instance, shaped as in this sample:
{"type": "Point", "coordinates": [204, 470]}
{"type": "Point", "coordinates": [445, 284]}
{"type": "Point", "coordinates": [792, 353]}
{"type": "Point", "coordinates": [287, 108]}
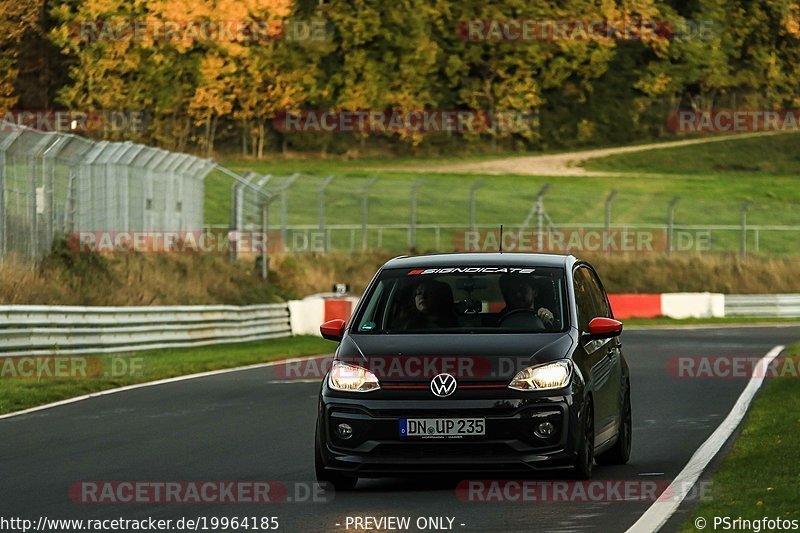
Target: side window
{"type": "Point", "coordinates": [598, 295]}
{"type": "Point", "coordinates": [583, 300]}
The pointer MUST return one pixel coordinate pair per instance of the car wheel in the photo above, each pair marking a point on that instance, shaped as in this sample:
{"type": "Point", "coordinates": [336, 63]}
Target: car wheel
{"type": "Point", "coordinates": [621, 451]}
{"type": "Point", "coordinates": [339, 481]}
{"type": "Point", "coordinates": [585, 460]}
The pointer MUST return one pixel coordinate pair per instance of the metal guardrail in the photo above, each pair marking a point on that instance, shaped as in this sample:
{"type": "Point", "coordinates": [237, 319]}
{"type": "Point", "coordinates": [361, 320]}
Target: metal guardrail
{"type": "Point", "coordinates": [46, 330]}
{"type": "Point", "coordinates": [763, 305]}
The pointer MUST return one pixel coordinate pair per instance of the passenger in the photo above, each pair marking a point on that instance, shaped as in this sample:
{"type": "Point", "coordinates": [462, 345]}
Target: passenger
{"type": "Point", "coordinates": [432, 307]}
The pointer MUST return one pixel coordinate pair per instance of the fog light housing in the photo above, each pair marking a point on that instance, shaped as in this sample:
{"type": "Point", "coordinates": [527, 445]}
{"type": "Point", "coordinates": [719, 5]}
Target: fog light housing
{"type": "Point", "coordinates": [544, 430]}
{"type": "Point", "coordinates": [345, 431]}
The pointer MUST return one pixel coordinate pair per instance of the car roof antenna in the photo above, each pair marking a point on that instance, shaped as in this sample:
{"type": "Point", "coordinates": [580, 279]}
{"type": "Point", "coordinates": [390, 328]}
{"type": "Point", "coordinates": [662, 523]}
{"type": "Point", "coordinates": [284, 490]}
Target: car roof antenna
{"type": "Point", "coordinates": [501, 238]}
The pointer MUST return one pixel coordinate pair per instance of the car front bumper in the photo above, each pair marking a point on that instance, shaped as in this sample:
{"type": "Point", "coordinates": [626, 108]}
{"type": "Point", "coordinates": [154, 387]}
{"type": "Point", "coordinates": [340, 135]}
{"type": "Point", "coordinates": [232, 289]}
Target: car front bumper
{"type": "Point", "coordinates": [376, 448]}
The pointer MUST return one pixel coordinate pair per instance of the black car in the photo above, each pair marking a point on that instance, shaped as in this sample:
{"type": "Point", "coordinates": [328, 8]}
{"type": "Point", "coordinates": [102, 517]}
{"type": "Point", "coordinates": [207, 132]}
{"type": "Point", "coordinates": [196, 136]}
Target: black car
{"type": "Point", "coordinates": [483, 363]}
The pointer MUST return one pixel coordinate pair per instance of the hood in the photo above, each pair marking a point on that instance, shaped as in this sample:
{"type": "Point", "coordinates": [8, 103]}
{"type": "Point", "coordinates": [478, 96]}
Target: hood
{"type": "Point", "coordinates": [490, 358]}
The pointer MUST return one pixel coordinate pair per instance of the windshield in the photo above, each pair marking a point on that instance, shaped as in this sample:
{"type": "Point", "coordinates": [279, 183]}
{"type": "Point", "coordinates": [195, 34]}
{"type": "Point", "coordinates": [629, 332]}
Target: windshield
{"type": "Point", "coordinates": [465, 300]}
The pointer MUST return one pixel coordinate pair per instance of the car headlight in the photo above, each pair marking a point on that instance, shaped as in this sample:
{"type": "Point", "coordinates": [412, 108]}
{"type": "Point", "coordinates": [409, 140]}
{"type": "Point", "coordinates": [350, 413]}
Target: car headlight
{"type": "Point", "coordinates": [351, 378]}
{"type": "Point", "coordinates": [540, 377]}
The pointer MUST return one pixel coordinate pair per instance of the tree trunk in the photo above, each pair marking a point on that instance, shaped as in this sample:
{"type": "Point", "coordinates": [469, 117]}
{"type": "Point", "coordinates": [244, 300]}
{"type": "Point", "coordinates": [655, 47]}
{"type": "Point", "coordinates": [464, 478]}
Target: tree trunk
{"type": "Point", "coordinates": [207, 135]}
{"type": "Point", "coordinates": [244, 137]}
{"type": "Point", "coordinates": [260, 140]}
{"type": "Point", "coordinates": [211, 134]}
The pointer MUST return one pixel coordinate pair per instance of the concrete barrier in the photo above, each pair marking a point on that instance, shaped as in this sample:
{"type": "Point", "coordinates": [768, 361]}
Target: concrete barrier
{"type": "Point", "coordinates": [671, 305]}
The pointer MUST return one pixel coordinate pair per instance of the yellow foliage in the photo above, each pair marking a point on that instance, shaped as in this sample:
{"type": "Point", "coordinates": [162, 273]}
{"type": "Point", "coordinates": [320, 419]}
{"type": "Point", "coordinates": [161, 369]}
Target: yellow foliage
{"type": "Point", "coordinates": [17, 18]}
{"type": "Point", "coordinates": [792, 21]}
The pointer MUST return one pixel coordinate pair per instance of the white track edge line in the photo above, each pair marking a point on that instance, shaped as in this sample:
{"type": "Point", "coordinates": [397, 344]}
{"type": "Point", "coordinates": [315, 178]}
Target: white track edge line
{"type": "Point", "coordinates": [154, 383]}
{"type": "Point", "coordinates": [657, 514]}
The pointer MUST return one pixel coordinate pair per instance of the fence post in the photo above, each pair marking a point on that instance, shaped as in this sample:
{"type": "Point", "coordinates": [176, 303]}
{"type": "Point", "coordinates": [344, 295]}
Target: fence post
{"type": "Point", "coordinates": [321, 210]}
{"type": "Point", "coordinates": [540, 217]}
{"type": "Point", "coordinates": [743, 244]}
{"type": "Point", "coordinates": [47, 182]}
{"type": "Point", "coordinates": [365, 211]}
{"type": "Point", "coordinates": [536, 209]}
{"type": "Point", "coordinates": [477, 184]}
{"type": "Point", "coordinates": [264, 239]}
{"type": "Point", "coordinates": [37, 160]}
{"type": "Point", "coordinates": [609, 201]}
{"type": "Point", "coordinates": [412, 213]}
{"type": "Point", "coordinates": [3, 148]}
{"type": "Point", "coordinates": [234, 218]}
{"type": "Point", "coordinates": [285, 209]}
{"type": "Point", "coordinates": [671, 222]}
{"type": "Point", "coordinates": [757, 244]}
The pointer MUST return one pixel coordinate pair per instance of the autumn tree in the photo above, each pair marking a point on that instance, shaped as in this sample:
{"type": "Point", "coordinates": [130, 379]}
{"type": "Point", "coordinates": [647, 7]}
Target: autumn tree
{"type": "Point", "coordinates": [18, 19]}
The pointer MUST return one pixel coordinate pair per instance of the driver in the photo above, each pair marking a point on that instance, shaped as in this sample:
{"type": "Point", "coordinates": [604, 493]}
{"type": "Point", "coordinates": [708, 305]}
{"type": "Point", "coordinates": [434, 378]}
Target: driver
{"type": "Point", "coordinates": [519, 293]}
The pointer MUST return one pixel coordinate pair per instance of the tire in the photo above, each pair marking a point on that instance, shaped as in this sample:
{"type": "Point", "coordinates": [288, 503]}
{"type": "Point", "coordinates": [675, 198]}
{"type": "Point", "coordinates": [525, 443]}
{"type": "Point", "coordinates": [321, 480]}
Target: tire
{"type": "Point", "coordinates": [621, 451]}
{"type": "Point", "coordinates": [339, 481]}
{"type": "Point", "coordinates": [582, 467]}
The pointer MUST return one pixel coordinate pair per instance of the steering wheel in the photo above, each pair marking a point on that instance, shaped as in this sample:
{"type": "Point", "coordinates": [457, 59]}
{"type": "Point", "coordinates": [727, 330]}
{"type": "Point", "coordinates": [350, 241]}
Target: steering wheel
{"type": "Point", "coordinates": [522, 319]}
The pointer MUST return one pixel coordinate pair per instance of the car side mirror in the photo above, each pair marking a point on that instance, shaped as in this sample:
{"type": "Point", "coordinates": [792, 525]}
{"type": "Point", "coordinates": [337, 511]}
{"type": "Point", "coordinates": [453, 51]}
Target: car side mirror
{"type": "Point", "coordinates": [604, 328]}
{"type": "Point", "coordinates": [333, 330]}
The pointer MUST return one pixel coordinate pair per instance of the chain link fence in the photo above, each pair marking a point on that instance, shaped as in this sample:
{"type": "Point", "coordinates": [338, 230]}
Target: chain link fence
{"type": "Point", "coordinates": [55, 183]}
{"type": "Point", "coordinates": [318, 213]}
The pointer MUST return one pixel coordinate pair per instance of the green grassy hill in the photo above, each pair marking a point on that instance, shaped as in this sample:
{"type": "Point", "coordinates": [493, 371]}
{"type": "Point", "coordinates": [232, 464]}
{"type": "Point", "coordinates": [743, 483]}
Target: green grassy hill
{"type": "Point", "coordinates": [713, 181]}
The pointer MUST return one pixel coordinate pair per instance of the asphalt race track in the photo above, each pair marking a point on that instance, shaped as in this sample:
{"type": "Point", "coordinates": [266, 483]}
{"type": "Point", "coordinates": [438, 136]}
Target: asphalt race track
{"type": "Point", "coordinates": [248, 426]}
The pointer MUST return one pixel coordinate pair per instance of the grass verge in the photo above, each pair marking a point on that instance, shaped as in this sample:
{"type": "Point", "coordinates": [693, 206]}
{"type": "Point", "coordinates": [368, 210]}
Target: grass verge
{"type": "Point", "coordinates": [115, 370]}
{"type": "Point", "coordinates": [759, 477]}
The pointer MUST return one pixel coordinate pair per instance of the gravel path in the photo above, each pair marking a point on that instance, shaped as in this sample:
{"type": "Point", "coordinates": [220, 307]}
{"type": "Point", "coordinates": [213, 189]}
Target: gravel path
{"type": "Point", "coordinates": [564, 164]}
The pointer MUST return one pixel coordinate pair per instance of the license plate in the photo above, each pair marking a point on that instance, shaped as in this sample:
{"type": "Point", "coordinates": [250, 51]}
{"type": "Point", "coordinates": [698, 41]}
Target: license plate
{"type": "Point", "coordinates": [442, 427]}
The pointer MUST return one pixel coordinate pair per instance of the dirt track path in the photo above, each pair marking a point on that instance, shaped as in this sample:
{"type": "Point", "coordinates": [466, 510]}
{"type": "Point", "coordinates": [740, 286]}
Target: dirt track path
{"type": "Point", "coordinates": [568, 163]}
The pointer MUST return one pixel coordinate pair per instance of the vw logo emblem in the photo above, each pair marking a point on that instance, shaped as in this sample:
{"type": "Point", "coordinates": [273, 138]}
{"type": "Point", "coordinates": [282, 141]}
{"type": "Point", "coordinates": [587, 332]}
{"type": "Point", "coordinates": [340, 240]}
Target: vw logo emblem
{"type": "Point", "coordinates": [443, 385]}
